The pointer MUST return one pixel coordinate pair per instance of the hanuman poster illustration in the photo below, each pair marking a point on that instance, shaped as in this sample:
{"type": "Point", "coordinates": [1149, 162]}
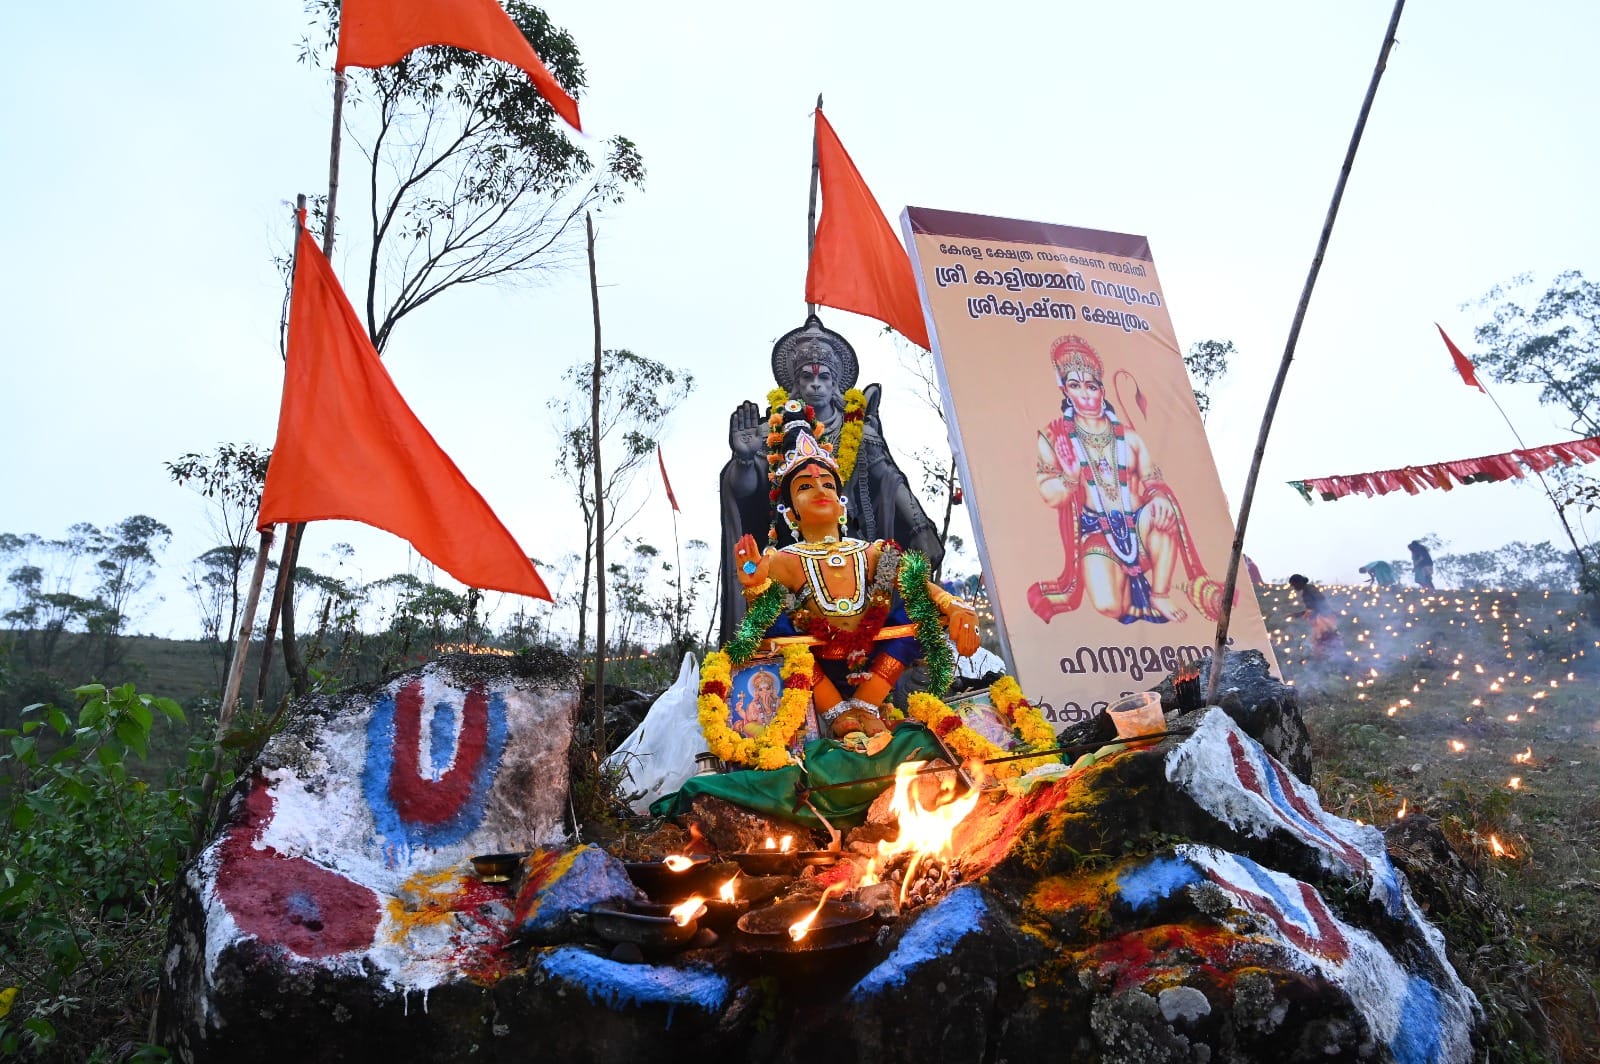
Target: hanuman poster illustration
{"type": "Point", "coordinates": [1098, 513]}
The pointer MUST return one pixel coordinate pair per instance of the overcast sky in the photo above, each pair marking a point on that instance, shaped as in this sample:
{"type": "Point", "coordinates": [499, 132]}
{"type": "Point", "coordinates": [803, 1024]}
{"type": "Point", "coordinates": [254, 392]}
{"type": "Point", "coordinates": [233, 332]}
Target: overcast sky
{"type": "Point", "coordinates": [150, 165]}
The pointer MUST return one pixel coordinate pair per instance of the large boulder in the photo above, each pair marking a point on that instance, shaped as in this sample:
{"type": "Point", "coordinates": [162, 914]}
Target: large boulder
{"type": "Point", "coordinates": [1179, 899]}
{"type": "Point", "coordinates": [337, 887]}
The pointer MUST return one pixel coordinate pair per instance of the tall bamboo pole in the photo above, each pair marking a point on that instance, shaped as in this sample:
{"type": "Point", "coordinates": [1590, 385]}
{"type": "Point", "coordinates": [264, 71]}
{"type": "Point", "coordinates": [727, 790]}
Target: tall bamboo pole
{"type": "Point", "coordinates": [811, 213]}
{"type": "Point", "coordinates": [1288, 356]}
{"type": "Point", "coordinates": [283, 587]}
{"type": "Point", "coordinates": [599, 512]}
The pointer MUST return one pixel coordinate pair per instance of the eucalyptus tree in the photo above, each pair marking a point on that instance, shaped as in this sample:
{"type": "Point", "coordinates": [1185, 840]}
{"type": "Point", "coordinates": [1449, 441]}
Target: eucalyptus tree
{"type": "Point", "coordinates": [468, 176]}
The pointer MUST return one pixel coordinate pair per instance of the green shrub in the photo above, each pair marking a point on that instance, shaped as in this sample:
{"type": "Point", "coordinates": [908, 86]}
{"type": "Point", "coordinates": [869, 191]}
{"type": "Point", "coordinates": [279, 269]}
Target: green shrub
{"type": "Point", "coordinates": [88, 857]}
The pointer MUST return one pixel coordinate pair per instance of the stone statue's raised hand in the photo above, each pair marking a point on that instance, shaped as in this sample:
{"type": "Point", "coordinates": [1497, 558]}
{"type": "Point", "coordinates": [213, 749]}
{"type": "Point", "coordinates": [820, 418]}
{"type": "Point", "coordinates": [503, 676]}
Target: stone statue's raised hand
{"type": "Point", "coordinates": [747, 432]}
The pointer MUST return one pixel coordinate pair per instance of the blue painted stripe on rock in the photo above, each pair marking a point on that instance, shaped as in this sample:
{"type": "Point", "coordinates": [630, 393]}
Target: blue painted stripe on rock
{"type": "Point", "coordinates": [1418, 1041]}
{"type": "Point", "coordinates": [613, 984]}
{"type": "Point", "coordinates": [933, 935]}
{"type": "Point", "coordinates": [1150, 882]}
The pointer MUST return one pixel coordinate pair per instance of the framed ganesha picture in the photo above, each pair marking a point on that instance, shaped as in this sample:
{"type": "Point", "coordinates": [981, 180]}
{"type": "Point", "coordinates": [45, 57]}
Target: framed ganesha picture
{"type": "Point", "coordinates": [755, 696]}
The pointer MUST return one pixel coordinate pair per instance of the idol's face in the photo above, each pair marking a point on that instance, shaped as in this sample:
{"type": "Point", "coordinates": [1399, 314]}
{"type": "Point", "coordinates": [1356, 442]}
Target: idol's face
{"type": "Point", "coordinates": [1084, 392]}
{"type": "Point", "coordinates": [814, 496]}
{"type": "Point", "coordinates": [817, 385]}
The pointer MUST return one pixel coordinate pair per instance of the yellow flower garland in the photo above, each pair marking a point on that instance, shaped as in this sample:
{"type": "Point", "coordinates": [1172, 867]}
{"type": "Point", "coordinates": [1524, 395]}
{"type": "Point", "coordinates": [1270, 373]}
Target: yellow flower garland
{"type": "Point", "coordinates": [850, 432]}
{"type": "Point", "coordinates": [770, 749]}
{"type": "Point", "coordinates": [1008, 702]}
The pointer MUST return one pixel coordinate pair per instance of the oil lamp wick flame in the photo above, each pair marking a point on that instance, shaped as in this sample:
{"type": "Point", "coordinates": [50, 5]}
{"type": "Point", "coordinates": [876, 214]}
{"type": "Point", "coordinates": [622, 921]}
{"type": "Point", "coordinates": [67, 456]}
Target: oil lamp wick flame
{"type": "Point", "coordinates": [726, 893]}
{"type": "Point", "coordinates": [800, 927]}
{"type": "Point", "coordinates": [676, 862]}
{"type": "Point", "coordinates": [688, 910]}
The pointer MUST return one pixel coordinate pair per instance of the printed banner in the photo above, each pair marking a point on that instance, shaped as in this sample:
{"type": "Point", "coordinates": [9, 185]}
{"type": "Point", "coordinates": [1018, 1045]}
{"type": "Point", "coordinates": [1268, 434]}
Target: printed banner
{"type": "Point", "coordinates": [1099, 517]}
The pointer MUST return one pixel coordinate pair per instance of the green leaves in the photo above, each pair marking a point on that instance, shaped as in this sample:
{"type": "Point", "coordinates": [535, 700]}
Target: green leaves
{"type": "Point", "coordinates": [88, 853]}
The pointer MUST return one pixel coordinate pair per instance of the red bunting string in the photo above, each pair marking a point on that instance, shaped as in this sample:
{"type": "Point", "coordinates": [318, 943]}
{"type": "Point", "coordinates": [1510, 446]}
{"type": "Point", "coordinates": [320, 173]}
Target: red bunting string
{"type": "Point", "coordinates": [1511, 465]}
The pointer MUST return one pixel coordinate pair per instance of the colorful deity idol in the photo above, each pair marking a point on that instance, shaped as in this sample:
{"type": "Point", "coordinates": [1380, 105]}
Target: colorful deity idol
{"type": "Point", "coordinates": [818, 368]}
{"type": "Point", "coordinates": [846, 593]}
{"type": "Point", "coordinates": [1121, 528]}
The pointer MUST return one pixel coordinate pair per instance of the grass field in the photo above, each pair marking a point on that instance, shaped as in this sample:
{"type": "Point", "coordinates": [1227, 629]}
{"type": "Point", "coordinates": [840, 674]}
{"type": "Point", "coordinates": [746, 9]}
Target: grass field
{"type": "Point", "coordinates": [1480, 709]}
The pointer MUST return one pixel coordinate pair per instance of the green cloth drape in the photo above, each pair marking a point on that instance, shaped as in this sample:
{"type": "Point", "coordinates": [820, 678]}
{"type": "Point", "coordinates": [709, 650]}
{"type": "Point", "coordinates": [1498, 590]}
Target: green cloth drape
{"type": "Point", "coordinates": [776, 793]}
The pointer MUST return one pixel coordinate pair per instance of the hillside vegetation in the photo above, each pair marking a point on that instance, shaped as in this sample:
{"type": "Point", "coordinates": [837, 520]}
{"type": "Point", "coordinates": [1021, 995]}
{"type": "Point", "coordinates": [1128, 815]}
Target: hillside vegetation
{"type": "Point", "coordinates": [1480, 709]}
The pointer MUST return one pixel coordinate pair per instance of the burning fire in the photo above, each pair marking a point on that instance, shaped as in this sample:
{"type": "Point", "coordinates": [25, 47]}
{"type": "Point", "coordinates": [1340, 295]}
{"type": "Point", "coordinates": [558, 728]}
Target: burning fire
{"type": "Point", "coordinates": [1456, 746]}
{"type": "Point", "coordinates": [925, 831]}
{"type": "Point", "coordinates": [692, 909]}
{"type": "Point", "coordinates": [783, 845]}
{"type": "Point", "coordinates": [1523, 758]}
{"type": "Point", "coordinates": [676, 862]}
{"type": "Point", "coordinates": [1500, 849]}
{"type": "Point", "coordinates": [801, 927]}
{"type": "Point", "coordinates": [726, 893]}
{"type": "Point", "coordinates": [1401, 815]}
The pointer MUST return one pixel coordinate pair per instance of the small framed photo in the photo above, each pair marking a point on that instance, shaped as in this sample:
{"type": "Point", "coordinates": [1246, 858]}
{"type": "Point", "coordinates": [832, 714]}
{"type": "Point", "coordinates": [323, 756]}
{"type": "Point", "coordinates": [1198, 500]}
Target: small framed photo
{"type": "Point", "coordinates": [754, 697]}
{"type": "Point", "coordinates": [978, 713]}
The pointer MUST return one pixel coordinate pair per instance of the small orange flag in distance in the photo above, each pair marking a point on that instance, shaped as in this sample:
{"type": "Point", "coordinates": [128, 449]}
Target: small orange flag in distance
{"type": "Point", "coordinates": [857, 263]}
{"type": "Point", "coordinates": [349, 448]}
{"type": "Point", "coordinates": [375, 33]}
{"type": "Point", "coordinates": [1463, 364]}
{"type": "Point", "coordinates": [662, 462]}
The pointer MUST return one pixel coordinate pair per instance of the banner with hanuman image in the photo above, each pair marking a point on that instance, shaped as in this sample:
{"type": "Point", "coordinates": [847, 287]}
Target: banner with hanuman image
{"type": "Point", "coordinates": [1098, 513]}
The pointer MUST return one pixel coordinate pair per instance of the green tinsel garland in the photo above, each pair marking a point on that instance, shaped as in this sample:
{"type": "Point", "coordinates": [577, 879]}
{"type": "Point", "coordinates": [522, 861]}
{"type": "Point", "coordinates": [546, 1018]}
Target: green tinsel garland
{"type": "Point", "coordinates": [930, 633]}
{"type": "Point", "coordinates": [757, 619]}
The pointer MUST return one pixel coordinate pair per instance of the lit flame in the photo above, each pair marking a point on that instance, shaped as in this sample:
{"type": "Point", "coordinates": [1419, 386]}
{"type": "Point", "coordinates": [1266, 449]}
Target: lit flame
{"type": "Point", "coordinates": [926, 831]}
{"type": "Point", "coordinates": [692, 909]}
{"type": "Point", "coordinates": [1523, 758]}
{"type": "Point", "coordinates": [786, 843]}
{"type": "Point", "coordinates": [676, 862]}
{"type": "Point", "coordinates": [1500, 849]}
{"type": "Point", "coordinates": [1456, 745]}
{"type": "Point", "coordinates": [1401, 815]}
{"type": "Point", "coordinates": [1515, 783]}
{"type": "Point", "coordinates": [726, 893]}
{"type": "Point", "coordinates": [770, 844]}
{"type": "Point", "coordinates": [802, 926]}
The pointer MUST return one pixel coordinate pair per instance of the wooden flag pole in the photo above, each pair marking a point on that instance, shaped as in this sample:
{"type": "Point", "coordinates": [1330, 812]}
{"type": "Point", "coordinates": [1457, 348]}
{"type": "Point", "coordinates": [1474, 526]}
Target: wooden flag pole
{"type": "Point", "coordinates": [1288, 356]}
{"type": "Point", "coordinates": [811, 213]}
{"type": "Point", "coordinates": [599, 513]}
{"type": "Point", "coordinates": [283, 587]}
{"type": "Point", "coordinates": [1561, 513]}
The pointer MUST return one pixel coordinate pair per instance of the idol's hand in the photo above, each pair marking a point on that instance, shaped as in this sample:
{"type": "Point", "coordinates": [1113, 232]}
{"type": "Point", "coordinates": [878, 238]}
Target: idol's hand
{"type": "Point", "coordinates": [864, 721]}
{"type": "Point", "coordinates": [749, 564]}
{"type": "Point", "coordinates": [964, 630]}
{"type": "Point", "coordinates": [1163, 518]}
{"type": "Point", "coordinates": [747, 432]}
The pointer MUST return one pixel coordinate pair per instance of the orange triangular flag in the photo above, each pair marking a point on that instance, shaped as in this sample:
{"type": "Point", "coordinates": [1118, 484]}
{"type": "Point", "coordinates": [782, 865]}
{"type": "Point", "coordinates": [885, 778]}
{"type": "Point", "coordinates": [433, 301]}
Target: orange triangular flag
{"type": "Point", "coordinates": [857, 263]}
{"type": "Point", "coordinates": [349, 448]}
{"type": "Point", "coordinates": [375, 33]}
{"type": "Point", "coordinates": [673, 499]}
{"type": "Point", "coordinates": [1463, 363]}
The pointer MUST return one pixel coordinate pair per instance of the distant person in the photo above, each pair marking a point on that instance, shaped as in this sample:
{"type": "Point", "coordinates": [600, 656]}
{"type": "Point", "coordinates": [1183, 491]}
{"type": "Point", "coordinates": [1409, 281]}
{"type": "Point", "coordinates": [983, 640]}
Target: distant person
{"type": "Point", "coordinates": [1379, 574]}
{"type": "Point", "coordinates": [1324, 623]}
{"type": "Point", "coordinates": [1421, 564]}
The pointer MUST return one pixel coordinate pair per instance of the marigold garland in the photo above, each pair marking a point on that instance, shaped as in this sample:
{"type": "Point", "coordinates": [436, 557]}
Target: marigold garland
{"type": "Point", "coordinates": [855, 405]}
{"type": "Point", "coordinates": [1029, 726]}
{"type": "Point", "coordinates": [770, 750]}
{"type": "Point", "coordinates": [920, 608]}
